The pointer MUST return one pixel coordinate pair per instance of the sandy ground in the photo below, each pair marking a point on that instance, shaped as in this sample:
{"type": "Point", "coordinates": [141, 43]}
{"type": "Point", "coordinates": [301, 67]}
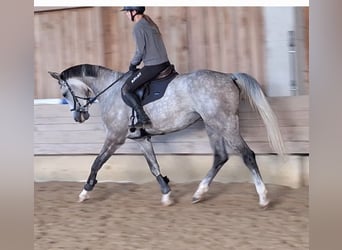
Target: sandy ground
{"type": "Point", "coordinates": [129, 216]}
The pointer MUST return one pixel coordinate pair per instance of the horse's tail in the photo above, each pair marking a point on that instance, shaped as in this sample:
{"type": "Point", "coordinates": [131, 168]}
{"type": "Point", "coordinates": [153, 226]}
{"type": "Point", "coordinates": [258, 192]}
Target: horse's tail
{"type": "Point", "coordinates": [251, 89]}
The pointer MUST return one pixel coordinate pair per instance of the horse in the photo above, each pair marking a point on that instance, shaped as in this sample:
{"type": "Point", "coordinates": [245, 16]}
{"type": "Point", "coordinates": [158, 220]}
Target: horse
{"type": "Point", "coordinates": [203, 94]}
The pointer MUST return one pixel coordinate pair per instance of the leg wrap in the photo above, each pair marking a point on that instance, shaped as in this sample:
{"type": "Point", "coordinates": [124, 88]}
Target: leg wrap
{"type": "Point", "coordinates": [90, 185]}
{"type": "Point", "coordinates": [163, 182]}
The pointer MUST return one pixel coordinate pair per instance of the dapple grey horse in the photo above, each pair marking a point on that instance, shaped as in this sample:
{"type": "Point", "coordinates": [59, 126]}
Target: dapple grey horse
{"type": "Point", "coordinates": [204, 94]}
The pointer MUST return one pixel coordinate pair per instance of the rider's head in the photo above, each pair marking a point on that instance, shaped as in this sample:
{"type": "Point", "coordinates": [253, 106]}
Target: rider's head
{"type": "Point", "coordinates": [134, 11]}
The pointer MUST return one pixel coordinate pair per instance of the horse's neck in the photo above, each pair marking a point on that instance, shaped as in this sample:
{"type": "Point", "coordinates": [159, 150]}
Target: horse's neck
{"type": "Point", "coordinates": [107, 90]}
{"type": "Point", "coordinates": [101, 84]}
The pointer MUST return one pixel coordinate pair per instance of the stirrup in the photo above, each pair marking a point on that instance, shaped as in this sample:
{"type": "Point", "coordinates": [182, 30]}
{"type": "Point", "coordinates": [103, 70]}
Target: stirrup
{"type": "Point", "coordinates": [134, 133]}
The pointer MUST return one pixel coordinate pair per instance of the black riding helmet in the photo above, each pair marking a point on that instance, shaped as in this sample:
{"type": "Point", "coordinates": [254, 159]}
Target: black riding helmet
{"type": "Point", "coordinates": [139, 9]}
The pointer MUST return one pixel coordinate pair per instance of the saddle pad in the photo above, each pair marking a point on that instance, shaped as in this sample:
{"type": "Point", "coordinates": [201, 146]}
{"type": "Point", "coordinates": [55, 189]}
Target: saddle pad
{"type": "Point", "coordinates": [156, 89]}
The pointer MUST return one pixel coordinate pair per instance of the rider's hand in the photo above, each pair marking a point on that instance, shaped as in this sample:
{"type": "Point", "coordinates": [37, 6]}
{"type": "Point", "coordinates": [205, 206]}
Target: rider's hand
{"type": "Point", "coordinates": [132, 67]}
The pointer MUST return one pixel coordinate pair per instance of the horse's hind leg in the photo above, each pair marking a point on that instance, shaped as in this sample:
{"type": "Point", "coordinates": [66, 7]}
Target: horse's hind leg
{"type": "Point", "coordinates": [220, 158]}
{"type": "Point", "coordinates": [248, 157]}
{"type": "Point", "coordinates": [147, 148]}
{"type": "Point", "coordinates": [236, 143]}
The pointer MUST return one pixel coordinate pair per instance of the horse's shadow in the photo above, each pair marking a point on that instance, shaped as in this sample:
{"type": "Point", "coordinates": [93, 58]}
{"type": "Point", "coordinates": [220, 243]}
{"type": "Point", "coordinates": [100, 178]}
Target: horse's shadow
{"type": "Point", "coordinates": [112, 191]}
{"type": "Point", "coordinates": [186, 193]}
{"type": "Point", "coordinates": [277, 194]}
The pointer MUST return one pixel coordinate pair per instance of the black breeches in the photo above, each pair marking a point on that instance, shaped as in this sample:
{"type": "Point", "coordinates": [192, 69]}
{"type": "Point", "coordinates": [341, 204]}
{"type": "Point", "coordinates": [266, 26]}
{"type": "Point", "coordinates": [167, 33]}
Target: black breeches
{"type": "Point", "coordinates": [141, 76]}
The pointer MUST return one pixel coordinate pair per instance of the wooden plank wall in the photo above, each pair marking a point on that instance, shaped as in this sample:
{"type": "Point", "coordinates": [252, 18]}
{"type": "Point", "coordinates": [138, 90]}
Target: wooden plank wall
{"type": "Point", "coordinates": [226, 39]}
{"type": "Point", "coordinates": [55, 132]}
{"type": "Point", "coordinates": [306, 39]}
{"type": "Point", "coordinates": [64, 38]}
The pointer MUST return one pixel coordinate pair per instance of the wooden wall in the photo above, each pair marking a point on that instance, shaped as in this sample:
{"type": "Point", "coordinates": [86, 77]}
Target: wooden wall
{"type": "Point", "coordinates": [306, 83]}
{"type": "Point", "coordinates": [55, 132]}
{"type": "Point", "coordinates": [219, 38]}
{"type": "Point", "coordinates": [224, 39]}
{"type": "Point", "coordinates": [64, 38]}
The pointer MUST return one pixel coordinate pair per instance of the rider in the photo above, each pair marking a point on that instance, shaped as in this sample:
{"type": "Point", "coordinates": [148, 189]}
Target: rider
{"type": "Point", "coordinates": [150, 50]}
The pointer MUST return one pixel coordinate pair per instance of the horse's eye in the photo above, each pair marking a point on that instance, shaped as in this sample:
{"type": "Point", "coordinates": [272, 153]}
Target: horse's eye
{"type": "Point", "coordinates": [65, 94]}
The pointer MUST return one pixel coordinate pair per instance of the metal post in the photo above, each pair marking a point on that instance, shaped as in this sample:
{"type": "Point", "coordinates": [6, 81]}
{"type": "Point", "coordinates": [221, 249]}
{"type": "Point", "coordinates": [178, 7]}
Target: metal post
{"type": "Point", "coordinates": [292, 59]}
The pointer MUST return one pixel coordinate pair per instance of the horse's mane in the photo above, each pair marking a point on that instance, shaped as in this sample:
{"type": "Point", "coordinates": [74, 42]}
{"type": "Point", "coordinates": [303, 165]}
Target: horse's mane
{"type": "Point", "coordinates": [82, 70]}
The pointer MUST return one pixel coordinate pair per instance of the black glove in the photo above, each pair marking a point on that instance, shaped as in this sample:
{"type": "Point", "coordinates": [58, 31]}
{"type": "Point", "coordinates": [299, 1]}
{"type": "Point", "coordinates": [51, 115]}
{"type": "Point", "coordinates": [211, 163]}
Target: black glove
{"type": "Point", "coordinates": [132, 67]}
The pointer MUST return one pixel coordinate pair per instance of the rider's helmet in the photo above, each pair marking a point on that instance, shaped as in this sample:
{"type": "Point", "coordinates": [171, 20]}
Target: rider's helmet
{"type": "Point", "coordinates": [138, 9]}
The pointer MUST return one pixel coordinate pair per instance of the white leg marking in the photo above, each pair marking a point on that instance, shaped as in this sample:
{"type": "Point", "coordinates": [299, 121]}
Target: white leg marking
{"type": "Point", "coordinates": [262, 192]}
{"type": "Point", "coordinates": [83, 196]}
{"type": "Point", "coordinates": [201, 190]}
{"type": "Point", "coordinates": [166, 199]}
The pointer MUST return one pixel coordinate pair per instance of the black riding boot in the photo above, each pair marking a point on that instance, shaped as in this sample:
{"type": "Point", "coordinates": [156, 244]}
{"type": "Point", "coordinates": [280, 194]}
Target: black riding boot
{"type": "Point", "coordinates": [143, 119]}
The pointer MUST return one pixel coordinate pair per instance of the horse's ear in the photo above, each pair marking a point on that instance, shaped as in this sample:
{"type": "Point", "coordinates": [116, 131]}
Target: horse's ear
{"type": "Point", "coordinates": [55, 75]}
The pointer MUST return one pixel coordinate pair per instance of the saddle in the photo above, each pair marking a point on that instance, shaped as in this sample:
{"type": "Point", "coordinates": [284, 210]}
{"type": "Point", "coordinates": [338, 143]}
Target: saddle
{"type": "Point", "coordinates": [155, 89]}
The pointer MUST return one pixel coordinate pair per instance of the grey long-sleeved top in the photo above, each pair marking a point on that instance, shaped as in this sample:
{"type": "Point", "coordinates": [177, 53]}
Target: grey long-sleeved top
{"type": "Point", "coordinates": [150, 47]}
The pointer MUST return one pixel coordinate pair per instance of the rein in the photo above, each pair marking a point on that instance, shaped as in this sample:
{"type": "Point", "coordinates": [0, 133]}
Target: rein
{"type": "Point", "coordinates": [90, 100]}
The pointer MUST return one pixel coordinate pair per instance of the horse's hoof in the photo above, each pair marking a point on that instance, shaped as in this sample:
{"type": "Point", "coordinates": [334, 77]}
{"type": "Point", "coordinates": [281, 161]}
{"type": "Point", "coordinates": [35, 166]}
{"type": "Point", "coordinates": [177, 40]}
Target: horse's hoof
{"type": "Point", "coordinates": [196, 200]}
{"type": "Point", "coordinates": [200, 192]}
{"type": "Point", "coordinates": [168, 203]}
{"type": "Point", "coordinates": [265, 204]}
{"type": "Point", "coordinates": [83, 196]}
{"type": "Point", "coordinates": [167, 200]}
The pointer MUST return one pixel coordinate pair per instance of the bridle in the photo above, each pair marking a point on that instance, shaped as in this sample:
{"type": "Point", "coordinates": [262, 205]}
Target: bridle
{"type": "Point", "coordinates": [90, 100]}
{"type": "Point", "coordinates": [76, 99]}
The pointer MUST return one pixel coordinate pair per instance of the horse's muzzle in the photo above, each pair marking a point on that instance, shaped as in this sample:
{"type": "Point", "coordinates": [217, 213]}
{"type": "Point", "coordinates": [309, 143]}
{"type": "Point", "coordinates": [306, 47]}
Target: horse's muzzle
{"type": "Point", "coordinates": [81, 116]}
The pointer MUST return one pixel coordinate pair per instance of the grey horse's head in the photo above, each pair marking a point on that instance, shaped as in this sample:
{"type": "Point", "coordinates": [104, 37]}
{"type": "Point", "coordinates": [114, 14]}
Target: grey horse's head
{"type": "Point", "coordinates": [76, 93]}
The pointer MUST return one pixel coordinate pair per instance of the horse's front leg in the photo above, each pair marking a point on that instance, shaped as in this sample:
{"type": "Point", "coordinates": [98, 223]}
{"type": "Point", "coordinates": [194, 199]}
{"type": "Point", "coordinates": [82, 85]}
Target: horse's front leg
{"type": "Point", "coordinates": [109, 147]}
{"type": "Point", "coordinates": [147, 148]}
